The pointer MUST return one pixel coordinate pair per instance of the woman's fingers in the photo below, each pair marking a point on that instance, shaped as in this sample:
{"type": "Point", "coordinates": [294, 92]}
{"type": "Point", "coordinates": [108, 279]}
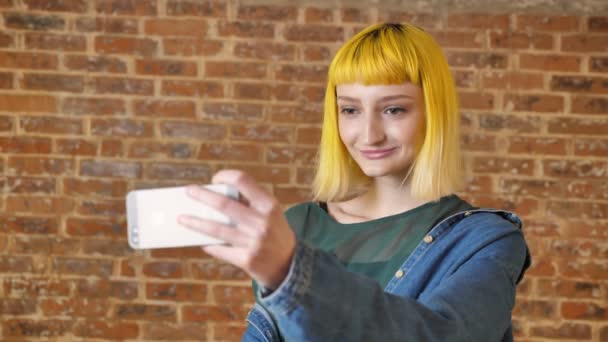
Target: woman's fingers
{"type": "Point", "coordinates": [257, 197]}
{"type": "Point", "coordinates": [228, 234]}
{"type": "Point", "coordinates": [244, 216]}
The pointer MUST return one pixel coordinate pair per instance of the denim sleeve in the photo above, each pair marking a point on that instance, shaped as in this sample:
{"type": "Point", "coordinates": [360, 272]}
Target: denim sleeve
{"type": "Point", "coordinates": [321, 301]}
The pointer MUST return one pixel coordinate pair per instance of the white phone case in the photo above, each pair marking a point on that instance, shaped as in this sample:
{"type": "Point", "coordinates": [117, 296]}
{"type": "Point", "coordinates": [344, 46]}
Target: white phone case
{"type": "Point", "coordinates": [152, 217]}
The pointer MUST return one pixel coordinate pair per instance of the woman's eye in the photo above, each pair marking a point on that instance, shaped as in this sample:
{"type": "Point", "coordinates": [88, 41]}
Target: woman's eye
{"type": "Point", "coordinates": [347, 111]}
{"type": "Point", "coordinates": [395, 110]}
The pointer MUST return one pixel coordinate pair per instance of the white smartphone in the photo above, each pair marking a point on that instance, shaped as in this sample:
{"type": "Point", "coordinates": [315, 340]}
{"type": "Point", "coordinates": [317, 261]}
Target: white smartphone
{"type": "Point", "coordinates": [152, 217]}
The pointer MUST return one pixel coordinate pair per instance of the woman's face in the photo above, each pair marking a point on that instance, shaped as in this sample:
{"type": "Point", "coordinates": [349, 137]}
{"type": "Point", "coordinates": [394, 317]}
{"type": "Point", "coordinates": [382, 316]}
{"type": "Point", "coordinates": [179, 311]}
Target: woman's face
{"type": "Point", "coordinates": [381, 126]}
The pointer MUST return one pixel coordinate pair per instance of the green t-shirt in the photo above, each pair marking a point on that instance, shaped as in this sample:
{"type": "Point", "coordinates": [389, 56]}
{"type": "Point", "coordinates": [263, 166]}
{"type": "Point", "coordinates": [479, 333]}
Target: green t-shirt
{"type": "Point", "coordinates": [375, 248]}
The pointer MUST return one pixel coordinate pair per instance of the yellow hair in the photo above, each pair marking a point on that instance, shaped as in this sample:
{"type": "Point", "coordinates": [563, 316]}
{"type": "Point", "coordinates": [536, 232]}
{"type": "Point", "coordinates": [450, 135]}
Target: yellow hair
{"type": "Point", "coordinates": [394, 54]}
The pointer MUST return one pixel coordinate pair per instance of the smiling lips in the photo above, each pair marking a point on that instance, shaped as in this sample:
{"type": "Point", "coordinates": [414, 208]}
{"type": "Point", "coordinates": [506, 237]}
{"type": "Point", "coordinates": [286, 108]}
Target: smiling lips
{"type": "Point", "coordinates": [377, 153]}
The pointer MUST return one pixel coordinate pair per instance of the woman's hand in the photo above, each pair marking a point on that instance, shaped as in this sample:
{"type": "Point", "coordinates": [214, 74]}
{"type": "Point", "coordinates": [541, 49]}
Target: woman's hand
{"type": "Point", "coordinates": [262, 243]}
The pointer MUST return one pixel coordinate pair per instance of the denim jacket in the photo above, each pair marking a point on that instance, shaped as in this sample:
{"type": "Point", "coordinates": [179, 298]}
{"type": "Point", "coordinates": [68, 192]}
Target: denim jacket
{"type": "Point", "coordinates": [457, 285]}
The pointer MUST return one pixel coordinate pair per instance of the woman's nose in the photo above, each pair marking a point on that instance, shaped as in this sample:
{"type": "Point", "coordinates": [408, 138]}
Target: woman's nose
{"type": "Point", "coordinates": [373, 131]}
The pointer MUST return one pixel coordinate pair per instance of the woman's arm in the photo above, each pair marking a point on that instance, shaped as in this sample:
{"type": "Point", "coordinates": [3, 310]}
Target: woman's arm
{"type": "Point", "coordinates": [321, 301]}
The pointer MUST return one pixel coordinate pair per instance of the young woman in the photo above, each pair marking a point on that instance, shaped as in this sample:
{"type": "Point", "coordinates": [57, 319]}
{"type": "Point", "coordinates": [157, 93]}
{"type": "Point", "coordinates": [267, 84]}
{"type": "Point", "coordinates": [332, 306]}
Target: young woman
{"type": "Point", "coordinates": [386, 252]}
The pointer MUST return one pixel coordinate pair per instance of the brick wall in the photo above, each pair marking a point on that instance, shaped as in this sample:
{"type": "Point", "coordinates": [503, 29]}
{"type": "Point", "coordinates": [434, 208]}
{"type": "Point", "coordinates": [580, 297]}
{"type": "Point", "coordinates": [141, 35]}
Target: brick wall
{"type": "Point", "coordinates": [99, 97]}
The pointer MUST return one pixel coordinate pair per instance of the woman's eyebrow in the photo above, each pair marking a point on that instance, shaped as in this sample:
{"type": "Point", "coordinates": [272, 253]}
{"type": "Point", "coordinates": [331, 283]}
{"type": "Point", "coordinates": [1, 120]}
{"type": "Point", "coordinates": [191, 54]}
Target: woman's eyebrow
{"type": "Point", "coordinates": [382, 99]}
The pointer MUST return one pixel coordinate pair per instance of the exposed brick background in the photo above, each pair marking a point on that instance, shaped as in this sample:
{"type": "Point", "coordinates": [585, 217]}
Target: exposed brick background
{"type": "Point", "coordinates": [103, 96]}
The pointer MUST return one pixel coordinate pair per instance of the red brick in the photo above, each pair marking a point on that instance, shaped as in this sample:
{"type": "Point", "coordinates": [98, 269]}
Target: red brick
{"type": "Point", "coordinates": [26, 21]}
{"type": "Point", "coordinates": [578, 126]}
{"type": "Point", "coordinates": [533, 22]}
{"type": "Point", "coordinates": [425, 20]}
{"type": "Point", "coordinates": [112, 85]}
{"type": "Point", "coordinates": [44, 245]}
{"type": "Point", "coordinates": [107, 25]}
{"type": "Point", "coordinates": [199, 89]}
{"type": "Point", "coordinates": [163, 269]}
{"type": "Point", "coordinates": [590, 105]}
{"type": "Point", "coordinates": [535, 145]}
{"type": "Point", "coordinates": [478, 21]}
{"type": "Point", "coordinates": [306, 113]}
{"type": "Point", "coordinates": [252, 91]}
{"type": "Point", "coordinates": [227, 294]}
{"type": "Point", "coordinates": [23, 166]}
{"type": "Point", "coordinates": [586, 311]}
{"type": "Point", "coordinates": [6, 40]}
{"type": "Point", "coordinates": [534, 187]}
{"type": "Point", "coordinates": [165, 67]}
{"type": "Point", "coordinates": [315, 53]}
{"type": "Point", "coordinates": [314, 33]}
{"type": "Point", "coordinates": [76, 307]}
{"type": "Point", "coordinates": [6, 124]}
{"type": "Point", "coordinates": [112, 148]}
{"type": "Point", "coordinates": [195, 130]}
{"type": "Point", "coordinates": [598, 64]}
{"type": "Point", "coordinates": [53, 82]}
{"type": "Point", "coordinates": [107, 168]}
{"type": "Point", "coordinates": [591, 147]}
{"type": "Point", "coordinates": [101, 207]}
{"type": "Point", "coordinates": [17, 264]}
{"type": "Point", "coordinates": [576, 249]}
{"type": "Point", "coordinates": [22, 144]}
{"type": "Point", "coordinates": [584, 43]}
{"type": "Point", "coordinates": [503, 165]}
{"type": "Point", "coordinates": [575, 168]}
{"type": "Point", "coordinates": [13, 306]}
{"type": "Point", "coordinates": [477, 59]}
{"type": "Point", "coordinates": [82, 267]}
{"type": "Point", "coordinates": [6, 80]}
{"type": "Point", "coordinates": [185, 46]}
{"type": "Point", "coordinates": [176, 292]}
{"type": "Point", "coordinates": [102, 288]}
{"type": "Point", "coordinates": [587, 189]}
{"type": "Point", "coordinates": [291, 155]}
{"type": "Point", "coordinates": [301, 73]}
{"type": "Point", "coordinates": [125, 45]}
{"type": "Point", "coordinates": [39, 205]}
{"type": "Point", "coordinates": [213, 8]}
{"type": "Point", "coordinates": [318, 15]}
{"type": "Point", "coordinates": [176, 27]}
{"type": "Point", "coordinates": [233, 111]}
{"type": "Point", "coordinates": [246, 29]}
{"type": "Point", "coordinates": [534, 103]}
{"type": "Point", "coordinates": [103, 64]}
{"type": "Point", "coordinates": [126, 7]}
{"type": "Point", "coordinates": [206, 313]}
{"type": "Point", "coordinates": [51, 125]}
{"type": "Point", "coordinates": [74, 147]}
{"type": "Point", "coordinates": [580, 84]}
{"type": "Point", "coordinates": [34, 287]}
{"type": "Point", "coordinates": [121, 127]}
{"type": "Point", "coordinates": [262, 173]}
{"type": "Point", "coordinates": [236, 69]}
{"type": "Point", "coordinates": [195, 172]}
{"type": "Point", "coordinates": [174, 332]}
{"type": "Point", "coordinates": [512, 80]}
{"type": "Point", "coordinates": [48, 41]}
{"type": "Point", "coordinates": [509, 123]}
{"type": "Point", "coordinates": [476, 100]}
{"type": "Point", "coordinates": [577, 210]}
{"type": "Point", "coordinates": [146, 149]}
{"type": "Point", "coordinates": [535, 309]}
{"type": "Point", "coordinates": [353, 15]}
{"type": "Point", "coordinates": [305, 135]}
{"type": "Point", "coordinates": [31, 185]}
{"type": "Point", "coordinates": [164, 108]}
{"type": "Point", "coordinates": [106, 330]}
{"type": "Point", "coordinates": [29, 225]}
{"type": "Point", "coordinates": [23, 60]}
{"type": "Point", "coordinates": [282, 13]}
{"type": "Point", "coordinates": [180, 253]}
{"type": "Point", "coordinates": [574, 331]}
{"type": "Point", "coordinates": [78, 6]}
{"type": "Point", "coordinates": [583, 269]}
{"type": "Point", "coordinates": [262, 133]}
{"type": "Point", "coordinates": [598, 24]}
{"type": "Point", "coordinates": [94, 188]}
{"type": "Point", "coordinates": [230, 152]}
{"type": "Point", "coordinates": [93, 106]}
{"type": "Point", "coordinates": [550, 62]}
{"type": "Point", "coordinates": [217, 270]}
{"type": "Point", "coordinates": [229, 332]}
{"type": "Point", "coordinates": [107, 247]}
{"type": "Point", "coordinates": [521, 40]}
{"type": "Point", "coordinates": [22, 327]}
